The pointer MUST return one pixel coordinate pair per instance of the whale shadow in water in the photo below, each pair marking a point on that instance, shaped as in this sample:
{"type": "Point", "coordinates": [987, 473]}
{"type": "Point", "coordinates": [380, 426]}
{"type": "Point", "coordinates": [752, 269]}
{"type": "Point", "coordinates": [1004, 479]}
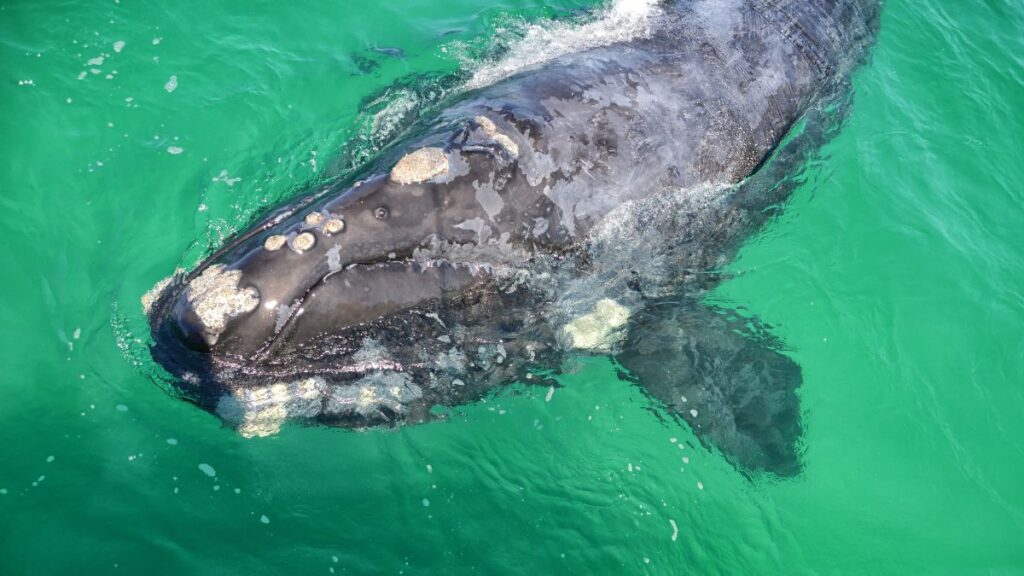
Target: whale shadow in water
{"type": "Point", "coordinates": [724, 376]}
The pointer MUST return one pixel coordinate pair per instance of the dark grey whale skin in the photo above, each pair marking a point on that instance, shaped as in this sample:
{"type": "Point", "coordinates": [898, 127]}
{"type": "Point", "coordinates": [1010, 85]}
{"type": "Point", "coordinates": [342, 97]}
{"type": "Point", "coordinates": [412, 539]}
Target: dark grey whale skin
{"type": "Point", "coordinates": [621, 184]}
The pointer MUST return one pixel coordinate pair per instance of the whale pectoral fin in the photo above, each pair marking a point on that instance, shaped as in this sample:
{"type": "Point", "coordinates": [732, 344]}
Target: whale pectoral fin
{"type": "Point", "coordinates": [724, 376]}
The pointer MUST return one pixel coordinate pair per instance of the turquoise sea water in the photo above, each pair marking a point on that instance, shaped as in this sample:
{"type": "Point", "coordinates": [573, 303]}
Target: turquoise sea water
{"type": "Point", "coordinates": [894, 277]}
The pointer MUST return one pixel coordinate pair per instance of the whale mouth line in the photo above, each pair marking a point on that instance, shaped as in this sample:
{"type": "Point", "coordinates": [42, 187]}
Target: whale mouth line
{"type": "Point", "coordinates": [369, 266]}
{"type": "Point", "coordinates": [344, 371]}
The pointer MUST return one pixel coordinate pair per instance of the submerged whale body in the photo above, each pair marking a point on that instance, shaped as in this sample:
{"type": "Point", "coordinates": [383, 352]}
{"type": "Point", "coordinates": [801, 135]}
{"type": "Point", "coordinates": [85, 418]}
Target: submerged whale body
{"type": "Point", "coordinates": [579, 206]}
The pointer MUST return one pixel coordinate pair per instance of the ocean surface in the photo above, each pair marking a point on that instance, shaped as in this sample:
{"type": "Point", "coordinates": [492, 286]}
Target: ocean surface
{"type": "Point", "coordinates": [136, 136]}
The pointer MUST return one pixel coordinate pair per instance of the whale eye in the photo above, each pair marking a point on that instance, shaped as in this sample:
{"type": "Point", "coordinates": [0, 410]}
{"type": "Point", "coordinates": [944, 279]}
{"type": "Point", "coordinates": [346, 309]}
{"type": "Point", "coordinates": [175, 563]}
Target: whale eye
{"type": "Point", "coordinates": [381, 213]}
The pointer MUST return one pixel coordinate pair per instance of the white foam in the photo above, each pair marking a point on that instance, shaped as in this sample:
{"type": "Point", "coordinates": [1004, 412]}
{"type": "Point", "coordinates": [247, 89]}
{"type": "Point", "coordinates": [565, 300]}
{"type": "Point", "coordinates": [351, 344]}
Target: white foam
{"type": "Point", "coordinates": [208, 470]}
{"type": "Point", "coordinates": [226, 178]}
{"type": "Point", "coordinates": [621, 21]}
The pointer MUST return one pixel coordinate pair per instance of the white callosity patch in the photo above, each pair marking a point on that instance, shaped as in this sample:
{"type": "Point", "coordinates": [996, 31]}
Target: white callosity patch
{"type": "Point", "coordinates": [597, 330]}
{"type": "Point", "coordinates": [500, 138]}
{"type": "Point", "coordinates": [275, 242]}
{"type": "Point", "coordinates": [334, 226]}
{"type": "Point", "coordinates": [154, 293]}
{"type": "Point", "coordinates": [314, 219]}
{"type": "Point", "coordinates": [369, 395]}
{"type": "Point", "coordinates": [261, 411]}
{"type": "Point", "coordinates": [419, 166]}
{"type": "Point", "coordinates": [215, 297]}
{"type": "Point", "coordinates": [303, 242]}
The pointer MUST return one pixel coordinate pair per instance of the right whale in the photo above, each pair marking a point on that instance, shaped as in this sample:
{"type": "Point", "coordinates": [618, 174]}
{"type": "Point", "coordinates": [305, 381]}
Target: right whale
{"type": "Point", "coordinates": [581, 206]}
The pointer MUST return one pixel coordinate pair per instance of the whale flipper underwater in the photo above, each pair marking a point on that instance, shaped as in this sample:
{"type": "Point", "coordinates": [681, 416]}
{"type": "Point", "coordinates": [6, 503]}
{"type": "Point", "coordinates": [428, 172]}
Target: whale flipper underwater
{"type": "Point", "coordinates": [582, 205]}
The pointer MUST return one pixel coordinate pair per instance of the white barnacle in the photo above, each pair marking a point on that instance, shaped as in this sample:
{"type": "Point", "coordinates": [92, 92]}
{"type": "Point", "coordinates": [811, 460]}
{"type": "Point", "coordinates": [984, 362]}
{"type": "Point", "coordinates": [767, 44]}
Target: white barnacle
{"type": "Point", "coordinates": [216, 297]}
{"type": "Point", "coordinates": [314, 218]}
{"type": "Point", "coordinates": [153, 294]}
{"type": "Point", "coordinates": [419, 166]}
{"type": "Point", "coordinates": [595, 331]}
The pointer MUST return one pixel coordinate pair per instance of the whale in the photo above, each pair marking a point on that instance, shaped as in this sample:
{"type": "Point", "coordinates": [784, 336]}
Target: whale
{"type": "Point", "coordinates": [585, 205]}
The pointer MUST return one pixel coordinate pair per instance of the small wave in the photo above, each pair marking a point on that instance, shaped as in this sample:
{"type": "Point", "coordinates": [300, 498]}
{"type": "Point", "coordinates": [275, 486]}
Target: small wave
{"type": "Point", "coordinates": [537, 42]}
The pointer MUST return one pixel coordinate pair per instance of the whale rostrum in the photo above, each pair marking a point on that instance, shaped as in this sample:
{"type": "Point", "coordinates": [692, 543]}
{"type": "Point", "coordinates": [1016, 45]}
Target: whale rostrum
{"type": "Point", "coordinates": [580, 206]}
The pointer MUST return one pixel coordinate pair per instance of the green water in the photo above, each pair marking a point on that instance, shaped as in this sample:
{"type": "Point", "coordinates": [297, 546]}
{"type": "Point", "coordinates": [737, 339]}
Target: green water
{"type": "Point", "coordinates": [894, 277]}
